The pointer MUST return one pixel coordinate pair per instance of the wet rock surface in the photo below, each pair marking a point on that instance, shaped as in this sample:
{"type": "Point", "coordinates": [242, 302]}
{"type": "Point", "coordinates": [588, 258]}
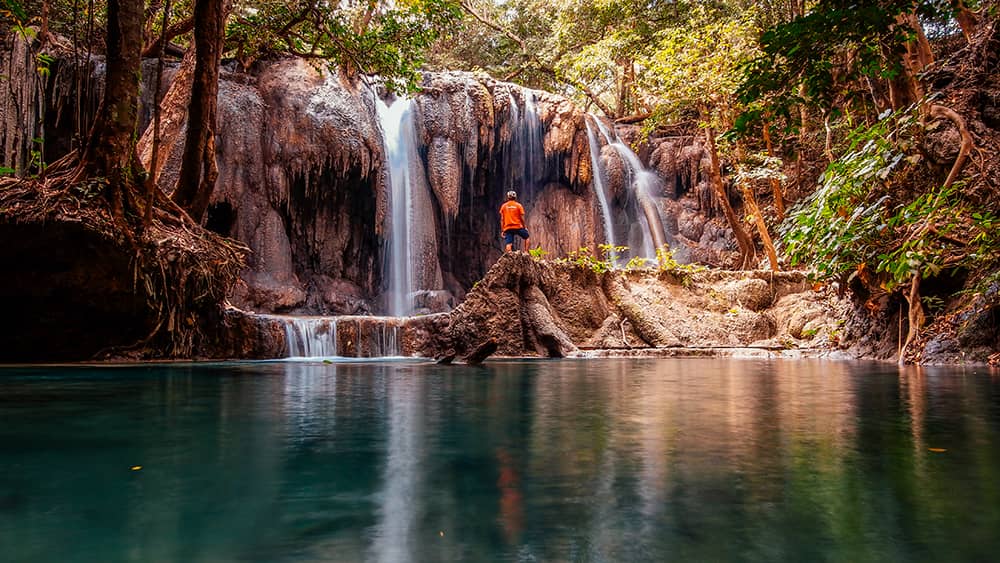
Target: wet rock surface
{"type": "Point", "coordinates": [526, 307]}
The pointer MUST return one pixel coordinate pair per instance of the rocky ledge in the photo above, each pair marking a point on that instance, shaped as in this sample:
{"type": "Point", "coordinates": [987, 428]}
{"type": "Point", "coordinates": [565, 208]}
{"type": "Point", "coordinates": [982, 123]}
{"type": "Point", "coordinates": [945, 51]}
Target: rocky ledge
{"type": "Point", "coordinates": [528, 307]}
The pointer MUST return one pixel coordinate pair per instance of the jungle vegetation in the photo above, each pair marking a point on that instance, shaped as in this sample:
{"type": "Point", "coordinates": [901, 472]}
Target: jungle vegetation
{"type": "Point", "coordinates": [862, 136]}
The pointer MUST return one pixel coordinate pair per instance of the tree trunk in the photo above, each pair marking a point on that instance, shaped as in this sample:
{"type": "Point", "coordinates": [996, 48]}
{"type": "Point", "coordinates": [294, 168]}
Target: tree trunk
{"type": "Point", "coordinates": [173, 117]}
{"type": "Point", "coordinates": [965, 17]}
{"type": "Point", "coordinates": [905, 88]}
{"type": "Point", "coordinates": [747, 250]}
{"type": "Point", "coordinates": [779, 196]}
{"type": "Point", "coordinates": [915, 316]}
{"type": "Point", "coordinates": [758, 219]}
{"type": "Point", "coordinates": [196, 180]}
{"type": "Point", "coordinates": [110, 150]}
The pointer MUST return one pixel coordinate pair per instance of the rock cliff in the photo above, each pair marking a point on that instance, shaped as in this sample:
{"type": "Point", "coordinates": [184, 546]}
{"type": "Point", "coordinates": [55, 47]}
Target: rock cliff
{"type": "Point", "coordinates": [304, 180]}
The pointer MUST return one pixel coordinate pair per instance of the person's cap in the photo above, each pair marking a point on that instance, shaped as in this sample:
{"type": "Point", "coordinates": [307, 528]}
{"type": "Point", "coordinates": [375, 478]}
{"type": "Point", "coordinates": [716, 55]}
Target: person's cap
{"type": "Point", "coordinates": [512, 195]}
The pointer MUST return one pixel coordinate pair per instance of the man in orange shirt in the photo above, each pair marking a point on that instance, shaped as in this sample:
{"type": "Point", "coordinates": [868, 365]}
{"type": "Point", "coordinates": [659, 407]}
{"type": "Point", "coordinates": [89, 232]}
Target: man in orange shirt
{"type": "Point", "coordinates": [512, 221]}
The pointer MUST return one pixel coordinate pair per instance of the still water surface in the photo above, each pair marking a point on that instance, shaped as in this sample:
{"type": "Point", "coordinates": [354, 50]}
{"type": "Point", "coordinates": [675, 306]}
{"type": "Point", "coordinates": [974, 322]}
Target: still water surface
{"type": "Point", "coordinates": [597, 460]}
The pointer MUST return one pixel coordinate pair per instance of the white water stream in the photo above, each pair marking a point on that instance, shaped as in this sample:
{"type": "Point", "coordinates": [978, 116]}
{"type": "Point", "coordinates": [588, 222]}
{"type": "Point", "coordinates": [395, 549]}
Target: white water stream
{"type": "Point", "coordinates": [317, 337]}
{"type": "Point", "coordinates": [647, 234]}
{"type": "Point", "coordinates": [407, 183]}
{"type": "Point", "coordinates": [600, 186]}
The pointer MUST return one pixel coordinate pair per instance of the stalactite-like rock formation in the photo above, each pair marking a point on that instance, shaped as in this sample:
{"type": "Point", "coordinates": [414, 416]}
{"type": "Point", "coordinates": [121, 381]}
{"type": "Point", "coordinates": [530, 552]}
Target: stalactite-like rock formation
{"type": "Point", "coordinates": [304, 181]}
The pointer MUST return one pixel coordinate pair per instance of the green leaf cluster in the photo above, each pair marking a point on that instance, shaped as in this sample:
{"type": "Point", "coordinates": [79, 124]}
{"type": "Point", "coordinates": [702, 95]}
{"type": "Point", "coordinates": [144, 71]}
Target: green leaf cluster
{"type": "Point", "coordinates": [862, 222]}
{"type": "Point", "coordinates": [388, 39]}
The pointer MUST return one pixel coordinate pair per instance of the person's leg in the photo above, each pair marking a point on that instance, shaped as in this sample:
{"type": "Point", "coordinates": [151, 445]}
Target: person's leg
{"type": "Point", "coordinates": [527, 239]}
{"type": "Point", "coordinates": [508, 238]}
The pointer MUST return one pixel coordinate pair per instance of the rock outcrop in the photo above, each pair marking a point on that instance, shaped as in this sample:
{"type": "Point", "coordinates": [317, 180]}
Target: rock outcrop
{"type": "Point", "coordinates": [526, 307]}
{"type": "Point", "coordinates": [304, 182]}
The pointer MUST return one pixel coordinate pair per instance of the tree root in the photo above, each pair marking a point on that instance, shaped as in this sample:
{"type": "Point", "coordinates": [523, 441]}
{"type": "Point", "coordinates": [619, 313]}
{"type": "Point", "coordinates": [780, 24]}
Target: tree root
{"type": "Point", "coordinates": [650, 331]}
{"type": "Point", "coordinates": [915, 317]}
{"type": "Point", "coordinates": [939, 111]}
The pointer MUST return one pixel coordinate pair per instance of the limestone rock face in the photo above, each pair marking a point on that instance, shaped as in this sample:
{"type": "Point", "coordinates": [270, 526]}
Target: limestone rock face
{"type": "Point", "coordinates": [304, 181]}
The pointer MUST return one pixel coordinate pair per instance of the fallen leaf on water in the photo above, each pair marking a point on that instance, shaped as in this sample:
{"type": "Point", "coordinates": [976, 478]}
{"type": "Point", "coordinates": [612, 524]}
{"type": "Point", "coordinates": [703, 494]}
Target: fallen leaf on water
{"type": "Point", "coordinates": [937, 450]}
{"type": "Point", "coordinates": [441, 533]}
{"type": "Point", "coordinates": [136, 467]}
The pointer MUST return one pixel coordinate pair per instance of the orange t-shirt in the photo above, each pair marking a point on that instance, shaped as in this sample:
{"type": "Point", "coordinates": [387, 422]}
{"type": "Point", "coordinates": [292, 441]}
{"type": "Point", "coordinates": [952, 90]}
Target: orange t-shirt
{"type": "Point", "coordinates": [511, 216]}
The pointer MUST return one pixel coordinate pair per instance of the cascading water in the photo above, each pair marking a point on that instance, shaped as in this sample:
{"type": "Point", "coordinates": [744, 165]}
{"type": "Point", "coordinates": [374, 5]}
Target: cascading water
{"type": "Point", "coordinates": [399, 141]}
{"type": "Point", "coordinates": [599, 186]}
{"type": "Point", "coordinates": [643, 184]}
{"type": "Point", "coordinates": [310, 337]}
{"type": "Point", "coordinates": [533, 148]}
{"type": "Point", "coordinates": [362, 337]}
{"type": "Point", "coordinates": [524, 163]}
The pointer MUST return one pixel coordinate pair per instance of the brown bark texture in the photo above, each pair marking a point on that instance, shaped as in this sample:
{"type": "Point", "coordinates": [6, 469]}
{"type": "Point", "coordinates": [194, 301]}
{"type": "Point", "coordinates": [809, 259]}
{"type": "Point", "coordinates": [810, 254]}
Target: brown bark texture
{"type": "Point", "coordinates": [110, 150]}
{"type": "Point", "coordinates": [198, 167]}
{"type": "Point", "coordinates": [747, 249]}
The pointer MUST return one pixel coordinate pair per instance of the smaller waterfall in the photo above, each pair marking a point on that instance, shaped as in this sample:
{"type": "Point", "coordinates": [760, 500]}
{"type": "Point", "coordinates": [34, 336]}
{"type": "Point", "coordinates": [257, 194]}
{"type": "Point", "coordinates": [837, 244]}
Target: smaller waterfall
{"type": "Point", "coordinates": [599, 186]}
{"type": "Point", "coordinates": [311, 337]}
{"type": "Point", "coordinates": [534, 148]}
{"type": "Point", "coordinates": [644, 185]}
{"type": "Point", "coordinates": [524, 158]}
{"type": "Point", "coordinates": [346, 336]}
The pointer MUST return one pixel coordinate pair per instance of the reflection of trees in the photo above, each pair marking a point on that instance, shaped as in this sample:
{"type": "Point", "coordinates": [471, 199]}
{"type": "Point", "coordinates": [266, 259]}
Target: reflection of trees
{"type": "Point", "coordinates": [605, 459]}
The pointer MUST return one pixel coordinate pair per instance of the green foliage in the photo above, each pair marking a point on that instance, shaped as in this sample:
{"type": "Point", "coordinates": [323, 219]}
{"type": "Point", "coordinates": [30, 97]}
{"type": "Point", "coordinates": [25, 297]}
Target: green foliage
{"type": "Point", "coordinates": [837, 227]}
{"type": "Point", "coordinates": [638, 263]}
{"type": "Point", "coordinates": [859, 221]}
{"type": "Point", "coordinates": [668, 264]}
{"type": "Point", "coordinates": [537, 253]}
{"type": "Point", "coordinates": [584, 258]}
{"type": "Point", "coordinates": [43, 64]}
{"type": "Point", "coordinates": [13, 11]}
{"type": "Point", "coordinates": [35, 160]}
{"type": "Point", "coordinates": [820, 58]}
{"type": "Point", "coordinates": [694, 68]}
{"type": "Point", "coordinates": [387, 39]}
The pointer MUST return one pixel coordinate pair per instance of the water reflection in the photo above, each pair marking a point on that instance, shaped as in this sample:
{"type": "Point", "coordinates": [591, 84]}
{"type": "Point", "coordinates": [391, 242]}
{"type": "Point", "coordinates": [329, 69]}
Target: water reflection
{"type": "Point", "coordinates": [562, 460]}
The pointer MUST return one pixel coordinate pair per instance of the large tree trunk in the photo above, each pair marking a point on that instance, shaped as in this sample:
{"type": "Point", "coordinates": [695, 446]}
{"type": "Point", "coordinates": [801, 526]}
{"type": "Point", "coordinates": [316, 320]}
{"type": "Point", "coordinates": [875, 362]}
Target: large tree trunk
{"type": "Point", "coordinates": [198, 167]}
{"type": "Point", "coordinates": [758, 219]}
{"type": "Point", "coordinates": [747, 250]}
{"type": "Point", "coordinates": [173, 120]}
{"type": "Point", "coordinates": [905, 88]}
{"type": "Point", "coordinates": [110, 150]}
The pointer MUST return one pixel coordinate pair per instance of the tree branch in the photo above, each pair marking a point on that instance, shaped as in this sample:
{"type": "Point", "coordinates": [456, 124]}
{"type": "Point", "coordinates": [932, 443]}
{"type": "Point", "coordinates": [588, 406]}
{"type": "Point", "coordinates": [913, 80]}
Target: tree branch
{"type": "Point", "coordinates": [172, 31]}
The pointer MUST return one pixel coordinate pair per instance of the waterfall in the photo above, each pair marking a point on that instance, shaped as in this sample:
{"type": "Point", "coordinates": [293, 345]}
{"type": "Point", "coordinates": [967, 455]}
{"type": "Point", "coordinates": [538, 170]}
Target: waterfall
{"type": "Point", "coordinates": [345, 336]}
{"type": "Point", "coordinates": [310, 337]}
{"type": "Point", "coordinates": [643, 185]}
{"type": "Point", "coordinates": [524, 158]}
{"type": "Point", "coordinates": [533, 148]}
{"type": "Point", "coordinates": [399, 141]}
{"type": "Point", "coordinates": [599, 186]}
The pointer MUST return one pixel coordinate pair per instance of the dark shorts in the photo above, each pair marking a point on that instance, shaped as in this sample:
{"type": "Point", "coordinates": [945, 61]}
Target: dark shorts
{"type": "Point", "coordinates": [508, 235]}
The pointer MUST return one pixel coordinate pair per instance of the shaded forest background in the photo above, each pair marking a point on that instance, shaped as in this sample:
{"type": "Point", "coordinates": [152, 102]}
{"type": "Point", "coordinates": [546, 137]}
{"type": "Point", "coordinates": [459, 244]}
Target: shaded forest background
{"type": "Point", "coordinates": [861, 140]}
